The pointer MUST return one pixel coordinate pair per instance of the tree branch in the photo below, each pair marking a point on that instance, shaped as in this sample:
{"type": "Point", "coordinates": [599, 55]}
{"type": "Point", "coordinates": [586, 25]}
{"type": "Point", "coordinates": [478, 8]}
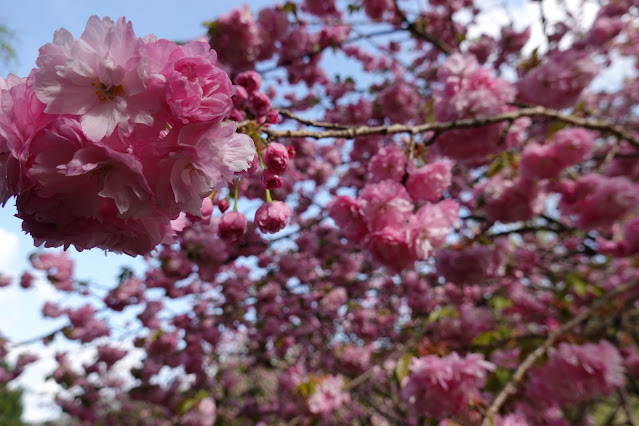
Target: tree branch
{"type": "Point", "coordinates": [511, 387]}
{"type": "Point", "coordinates": [351, 132]}
{"type": "Point", "coordinates": [421, 32]}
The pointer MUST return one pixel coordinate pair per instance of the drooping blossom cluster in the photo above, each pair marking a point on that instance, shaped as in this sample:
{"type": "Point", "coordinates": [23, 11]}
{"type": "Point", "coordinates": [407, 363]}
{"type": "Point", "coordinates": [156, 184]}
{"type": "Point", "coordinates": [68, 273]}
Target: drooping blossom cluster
{"type": "Point", "coordinates": [112, 136]}
{"type": "Point", "coordinates": [383, 218]}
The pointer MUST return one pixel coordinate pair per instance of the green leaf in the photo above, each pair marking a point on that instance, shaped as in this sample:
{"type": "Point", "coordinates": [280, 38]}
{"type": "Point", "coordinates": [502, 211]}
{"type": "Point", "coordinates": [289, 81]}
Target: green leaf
{"type": "Point", "coordinates": [499, 303]}
{"type": "Point", "coordinates": [443, 312]}
{"type": "Point", "coordinates": [577, 283]}
{"type": "Point", "coordinates": [485, 338]}
{"type": "Point", "coordinates": [498, 379]}
{"type": "Point", "coordinates": [402, 369]}
{"type": "Point", "coordinates": [185, 405]}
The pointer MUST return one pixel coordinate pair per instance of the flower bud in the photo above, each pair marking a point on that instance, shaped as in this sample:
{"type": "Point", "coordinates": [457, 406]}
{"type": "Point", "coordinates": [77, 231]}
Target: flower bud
{"type": "Point", "coordinates": [272, 217]}
{"type": "Point", "coordinates": [276, 157]}
{"type": "Point", "coordinates": [250, 80]}
{"type": "Point", "coordinates": [223, 205]}
{"type": "Point", "coordinates": [259, 103]}
{"type": "Point", "coordinates": [273, 117]}
{"type": "Point", "coordinates": [232, 226]}
{"type": "Point", "coordinates": [271, 180]}
{"type": "Point", "coordinates": [240, 97]}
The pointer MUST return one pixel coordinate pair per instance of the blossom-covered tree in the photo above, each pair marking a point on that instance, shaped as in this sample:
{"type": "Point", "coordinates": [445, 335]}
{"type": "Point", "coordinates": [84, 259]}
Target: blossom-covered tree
{"type": "Point", "coordinates": [351, 212]}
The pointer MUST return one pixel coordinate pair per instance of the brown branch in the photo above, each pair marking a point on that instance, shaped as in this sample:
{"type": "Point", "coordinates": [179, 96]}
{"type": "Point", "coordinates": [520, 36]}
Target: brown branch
{"type": "Point", "coordinates": [420, 32]}
{"type": "Point", "coordinates": [630, 416]}
{"type": "Point", "coordinates": [511, 387]}
{"type": "Point", "coordinates": [351, 132]}
{"type": "Point", "coordinates": [313, 123]}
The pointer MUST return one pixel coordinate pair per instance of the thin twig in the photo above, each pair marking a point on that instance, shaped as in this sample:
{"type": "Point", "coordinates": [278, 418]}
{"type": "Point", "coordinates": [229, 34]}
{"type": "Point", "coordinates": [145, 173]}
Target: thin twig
{"type": "Point", "coordinates": [314, 123]}
{"type": "Point", "coordinates": [421, 32]}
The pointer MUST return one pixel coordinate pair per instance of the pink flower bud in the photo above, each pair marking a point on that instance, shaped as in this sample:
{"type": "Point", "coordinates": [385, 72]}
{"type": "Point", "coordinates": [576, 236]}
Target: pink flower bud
{"type": "Point", "coordinates": [271, 180]}
{"type": "Point", "coordinates": [207, 208]}
{"type": "Point", "coordinates": [259, 103]}
{"type": "Point", "coordinates": [250, 80]}
{"type": "Point", "coordinates": [223, 205]}
{"type": "Point", "coordinates": [26, 281]}
{"type": "Point", "coordinates": [240, 97]}
{"type": "Point", "coordinates": [236, 115]}
{"type": "Point", "coordinates": [272, 217]}
{"type": "Point", "coordinates": [232, 226]}
{"type": "Point", "coordinates": [276, 157]}
{"type": "Point", "coordinates": [291, 151]}
{"type": "Point", "coordinates": [273, 117]}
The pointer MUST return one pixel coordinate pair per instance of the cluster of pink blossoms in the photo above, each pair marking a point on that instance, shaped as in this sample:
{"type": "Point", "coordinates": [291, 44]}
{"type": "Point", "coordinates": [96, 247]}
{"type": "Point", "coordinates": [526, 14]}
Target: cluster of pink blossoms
{"type": "Point", "coordinates": [382, 219]}
{"type": "Point", "coordinates": [113, 136]}
{"type": "Point", "coordinates": [439, 387]}
{"type": "Point", "coordinates": [576, 373]}
{"type": "Point", "coordinates": [470, 91]}
{"type": "Point", "coordinates": [559, 81]}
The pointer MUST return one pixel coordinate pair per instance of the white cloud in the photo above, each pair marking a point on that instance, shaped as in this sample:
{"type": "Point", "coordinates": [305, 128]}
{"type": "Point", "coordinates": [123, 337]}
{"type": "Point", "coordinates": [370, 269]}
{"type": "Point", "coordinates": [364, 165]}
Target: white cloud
{"type": "Point", "coordinates": [9, 247]}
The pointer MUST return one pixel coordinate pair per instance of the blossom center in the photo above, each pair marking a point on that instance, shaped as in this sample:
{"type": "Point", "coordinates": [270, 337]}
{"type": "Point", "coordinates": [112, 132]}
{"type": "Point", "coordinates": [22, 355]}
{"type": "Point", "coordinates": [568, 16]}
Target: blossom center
{"type": "Point", "coordinates": [105, 92]}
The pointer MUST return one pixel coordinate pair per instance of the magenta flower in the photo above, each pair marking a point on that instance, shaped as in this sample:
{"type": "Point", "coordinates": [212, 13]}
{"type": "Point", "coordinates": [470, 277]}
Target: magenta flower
{"type": "Point", "coordinates": [272, 217]}
{"type": "Point", "coordinates": [276, 157]}
{"type": "Point", "coordinates": [232, 226]}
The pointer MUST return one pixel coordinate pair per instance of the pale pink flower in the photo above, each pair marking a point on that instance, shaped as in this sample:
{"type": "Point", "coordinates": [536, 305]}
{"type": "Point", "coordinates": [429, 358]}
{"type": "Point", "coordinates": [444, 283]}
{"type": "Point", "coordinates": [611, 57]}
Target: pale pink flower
{"type": "Point", "coordinates": [199, 159]}
{"type": "Point", "coordinates": [390, 246]}
{"type": "Point", "coordinates": [570, 146]}
{"type": "Point", "coordinates": [470, 91]}
{"type": "Point", "coordinates": [431, 226]}
{"type": "Point", "coordinates": [512, 200]}
{"type": "Point", "coordinates": [249, 80]}
{"type": "Point", "coordinates": [95, 77]}
{"type": "Point", "coordinates": [328, 396]}
{"type": "Point", "coordinates": [597, 201]}
{"type": "Point", "coordinates": [233, 29]}
{"type": "Point", "coordinates": [347, 214]}
{"type": "Point", "coordinates": [334, 299]}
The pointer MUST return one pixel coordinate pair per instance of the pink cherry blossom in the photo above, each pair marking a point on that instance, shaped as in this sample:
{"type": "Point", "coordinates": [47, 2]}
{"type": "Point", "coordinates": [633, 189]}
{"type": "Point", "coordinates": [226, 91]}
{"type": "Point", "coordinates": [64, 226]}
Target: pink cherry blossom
{"type": "Point", "coordinates": [197, 90]}
{"type": "Point", "coordinates": [272, 217]}
{"type": "Point", "coordinates": [439, 387]}
{"type": "Point", "coordinates": [558, 83]}
{"type": "Point", "coordinates": [232, 226]}
{"type": "Point", "coordinates": [576, 373]}
{"type": "Point", "coordinates": [96, 77]}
